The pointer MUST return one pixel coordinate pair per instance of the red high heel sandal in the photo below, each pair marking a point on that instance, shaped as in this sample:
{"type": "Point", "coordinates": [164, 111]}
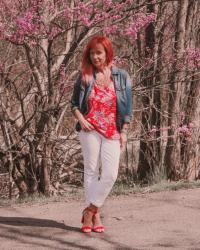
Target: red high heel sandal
{"type": "Point", "coordinates": [87, 229]}
{"type": "Point", "coordinates": [98, 229]}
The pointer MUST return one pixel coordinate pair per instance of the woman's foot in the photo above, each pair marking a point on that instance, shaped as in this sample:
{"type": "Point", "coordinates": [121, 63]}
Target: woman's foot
{"type": "Point", "coordinates": [97, 224]}
{"type": "Point", "coordinates": [87, 217]}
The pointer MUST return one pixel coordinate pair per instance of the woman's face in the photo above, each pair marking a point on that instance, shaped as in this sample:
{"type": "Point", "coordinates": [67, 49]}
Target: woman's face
{"type": "Point", "coordinates": [98, 56]}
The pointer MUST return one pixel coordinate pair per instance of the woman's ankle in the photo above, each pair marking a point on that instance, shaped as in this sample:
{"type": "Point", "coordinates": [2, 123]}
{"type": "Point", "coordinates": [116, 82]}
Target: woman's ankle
{"type": "Point", "coordinates": [97, 220]}
{"type": "Point", "coordinates": [93, 208]}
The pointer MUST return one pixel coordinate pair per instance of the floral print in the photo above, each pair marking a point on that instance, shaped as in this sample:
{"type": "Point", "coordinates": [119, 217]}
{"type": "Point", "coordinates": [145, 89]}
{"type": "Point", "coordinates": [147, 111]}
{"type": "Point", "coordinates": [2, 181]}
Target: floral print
{"type": "Point", "coordinates": [102, 111]}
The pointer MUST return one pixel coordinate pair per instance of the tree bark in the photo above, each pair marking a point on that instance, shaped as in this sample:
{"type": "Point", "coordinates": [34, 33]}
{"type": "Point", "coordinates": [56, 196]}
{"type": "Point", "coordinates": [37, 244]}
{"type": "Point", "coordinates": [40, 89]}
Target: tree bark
{"type": "Point", "coordinates": [172, 156]}
{"type": "Point", "coordinates": [146, 166]}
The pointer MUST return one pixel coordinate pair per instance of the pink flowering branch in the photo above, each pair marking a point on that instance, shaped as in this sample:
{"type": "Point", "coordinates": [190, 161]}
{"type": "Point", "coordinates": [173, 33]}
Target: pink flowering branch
{"type": "Point", "coordinates": [140, 20]}
{"type": "Point", "coordinates": [193, 58]}
{"type": "Point", "coordinates": [185, 131]}
{"type": "Point", "coordinates": [33, 22]}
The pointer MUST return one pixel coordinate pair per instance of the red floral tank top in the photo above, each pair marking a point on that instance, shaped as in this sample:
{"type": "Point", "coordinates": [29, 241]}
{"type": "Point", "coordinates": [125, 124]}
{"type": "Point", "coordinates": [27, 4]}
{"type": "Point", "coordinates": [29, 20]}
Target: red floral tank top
{"type": "Point", "coordinates": [102, 111]}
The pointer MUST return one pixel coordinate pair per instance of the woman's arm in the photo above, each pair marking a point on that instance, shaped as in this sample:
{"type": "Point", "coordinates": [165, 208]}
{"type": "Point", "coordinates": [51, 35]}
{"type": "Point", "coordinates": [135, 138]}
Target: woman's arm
{"type": "Point", "coordinates": [85, 125]}
{"type": "Point", "coordinates": [75, 95]}
{"type": "Point", "coordinates": [129, 108]}
{"type": "Point", "coordinates": [128, 116]}
{"type": "Point", "coordinates": [123, 135]}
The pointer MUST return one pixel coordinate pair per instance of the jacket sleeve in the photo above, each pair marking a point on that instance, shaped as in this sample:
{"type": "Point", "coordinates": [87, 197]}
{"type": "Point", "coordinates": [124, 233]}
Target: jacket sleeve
{"type": "Point", "coordinates": [76, 94]}
{"type": "Point", "coordinates": [129, 106]}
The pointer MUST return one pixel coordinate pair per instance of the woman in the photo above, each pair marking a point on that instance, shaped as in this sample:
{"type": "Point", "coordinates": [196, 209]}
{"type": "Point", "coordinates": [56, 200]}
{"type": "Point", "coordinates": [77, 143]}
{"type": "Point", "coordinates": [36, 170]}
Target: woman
{"type": "Point", "coordinates": [102, 104]}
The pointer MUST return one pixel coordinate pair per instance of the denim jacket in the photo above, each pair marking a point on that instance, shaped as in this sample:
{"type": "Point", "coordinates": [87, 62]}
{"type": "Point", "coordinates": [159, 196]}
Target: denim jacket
{"type": "Point", "coordinates": [123, 90]}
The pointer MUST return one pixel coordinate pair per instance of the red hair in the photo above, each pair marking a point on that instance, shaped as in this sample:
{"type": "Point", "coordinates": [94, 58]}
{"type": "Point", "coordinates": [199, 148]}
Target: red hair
{"type": "Point", "coordinates": [87, 67]}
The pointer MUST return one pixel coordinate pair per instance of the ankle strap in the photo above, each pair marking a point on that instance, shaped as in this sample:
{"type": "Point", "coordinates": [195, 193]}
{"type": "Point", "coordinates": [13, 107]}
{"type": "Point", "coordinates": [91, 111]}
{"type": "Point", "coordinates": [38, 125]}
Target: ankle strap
{"type": "Point", "coordinates": [94, 211]}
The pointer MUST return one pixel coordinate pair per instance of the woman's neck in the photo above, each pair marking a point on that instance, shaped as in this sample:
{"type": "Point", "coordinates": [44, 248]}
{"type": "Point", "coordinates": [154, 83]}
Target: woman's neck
{"type": "Point", "coordinates": [101, 70]}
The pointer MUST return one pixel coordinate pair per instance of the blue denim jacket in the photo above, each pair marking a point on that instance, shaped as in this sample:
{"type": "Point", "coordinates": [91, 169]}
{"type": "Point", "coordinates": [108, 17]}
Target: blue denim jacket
{"type": "Point", "coordinates": [123, 90]}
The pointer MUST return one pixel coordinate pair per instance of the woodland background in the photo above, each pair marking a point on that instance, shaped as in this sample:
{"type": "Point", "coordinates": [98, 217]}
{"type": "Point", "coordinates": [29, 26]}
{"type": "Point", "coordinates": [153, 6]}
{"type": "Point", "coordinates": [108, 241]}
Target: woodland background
{"type": "Point", "coordinates": [156, 41]}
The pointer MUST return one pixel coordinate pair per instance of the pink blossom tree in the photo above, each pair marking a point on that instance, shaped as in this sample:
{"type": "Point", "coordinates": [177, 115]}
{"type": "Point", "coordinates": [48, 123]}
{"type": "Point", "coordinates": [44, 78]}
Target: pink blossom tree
{"type": "Point", "coordinates": [42, 41]}
{"type": "Point", "coordinates": [41, 45]}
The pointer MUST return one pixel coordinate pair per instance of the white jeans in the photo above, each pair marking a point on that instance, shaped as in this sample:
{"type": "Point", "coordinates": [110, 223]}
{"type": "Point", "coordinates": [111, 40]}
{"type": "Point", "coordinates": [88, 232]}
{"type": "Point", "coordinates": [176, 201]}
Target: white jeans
{"type": "Point", "coordinates": [96, 148]}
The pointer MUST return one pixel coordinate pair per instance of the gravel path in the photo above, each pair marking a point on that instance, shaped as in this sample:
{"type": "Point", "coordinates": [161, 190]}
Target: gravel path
{"type": "Point", "coordinates": [164, 220]}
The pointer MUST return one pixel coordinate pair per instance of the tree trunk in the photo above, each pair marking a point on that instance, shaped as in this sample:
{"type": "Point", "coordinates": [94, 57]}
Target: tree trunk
{"type": "Point", "coordinates": [172, 156]}
{"type": "Point", "coordinates": [45, 171]}
{"type": "Point", "coordinates": [190, 150]}
{"type": "Point", "coordinates": [146, 166]}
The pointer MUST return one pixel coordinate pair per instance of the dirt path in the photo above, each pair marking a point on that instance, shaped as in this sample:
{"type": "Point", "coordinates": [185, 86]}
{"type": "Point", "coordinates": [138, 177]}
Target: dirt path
{"type": "Point", "coordinates": [165, 220]}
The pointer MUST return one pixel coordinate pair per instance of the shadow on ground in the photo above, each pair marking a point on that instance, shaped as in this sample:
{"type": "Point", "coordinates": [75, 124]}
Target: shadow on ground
{"type": "Point", "coordinates": [50, 234]}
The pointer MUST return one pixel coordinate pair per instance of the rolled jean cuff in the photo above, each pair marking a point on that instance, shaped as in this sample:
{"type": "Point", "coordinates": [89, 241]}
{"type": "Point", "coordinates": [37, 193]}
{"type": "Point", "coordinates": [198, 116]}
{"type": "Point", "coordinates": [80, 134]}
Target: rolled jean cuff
{"type": "Point", "coordinates": [73, 109]}
{"type": "Point", "coordinates": [96, 204]}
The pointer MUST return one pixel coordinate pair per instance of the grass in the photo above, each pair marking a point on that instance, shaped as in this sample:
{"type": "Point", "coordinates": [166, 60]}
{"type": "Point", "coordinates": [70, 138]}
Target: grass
{"type": "Point", "coordinates": [73, 193]}
{"type": "Point", "coordinates": [123, 189]}
{"type": "Point", "coordinates": [77, 193]}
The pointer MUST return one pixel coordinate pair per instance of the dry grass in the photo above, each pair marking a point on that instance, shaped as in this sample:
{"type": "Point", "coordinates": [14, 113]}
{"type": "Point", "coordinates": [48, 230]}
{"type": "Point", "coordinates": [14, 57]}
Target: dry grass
{"type": "Point", "coordinates": [122, 189]}
{"type": "Point", "coordinates": [77, 193]}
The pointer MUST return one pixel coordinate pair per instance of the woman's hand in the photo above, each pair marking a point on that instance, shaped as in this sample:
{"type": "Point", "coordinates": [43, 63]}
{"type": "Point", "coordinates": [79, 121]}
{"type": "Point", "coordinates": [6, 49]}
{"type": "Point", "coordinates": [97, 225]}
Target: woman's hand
{"type": "Point", "coordinates": [123, 140]}
{"type": "Point", "coordinates": [85, 125]}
